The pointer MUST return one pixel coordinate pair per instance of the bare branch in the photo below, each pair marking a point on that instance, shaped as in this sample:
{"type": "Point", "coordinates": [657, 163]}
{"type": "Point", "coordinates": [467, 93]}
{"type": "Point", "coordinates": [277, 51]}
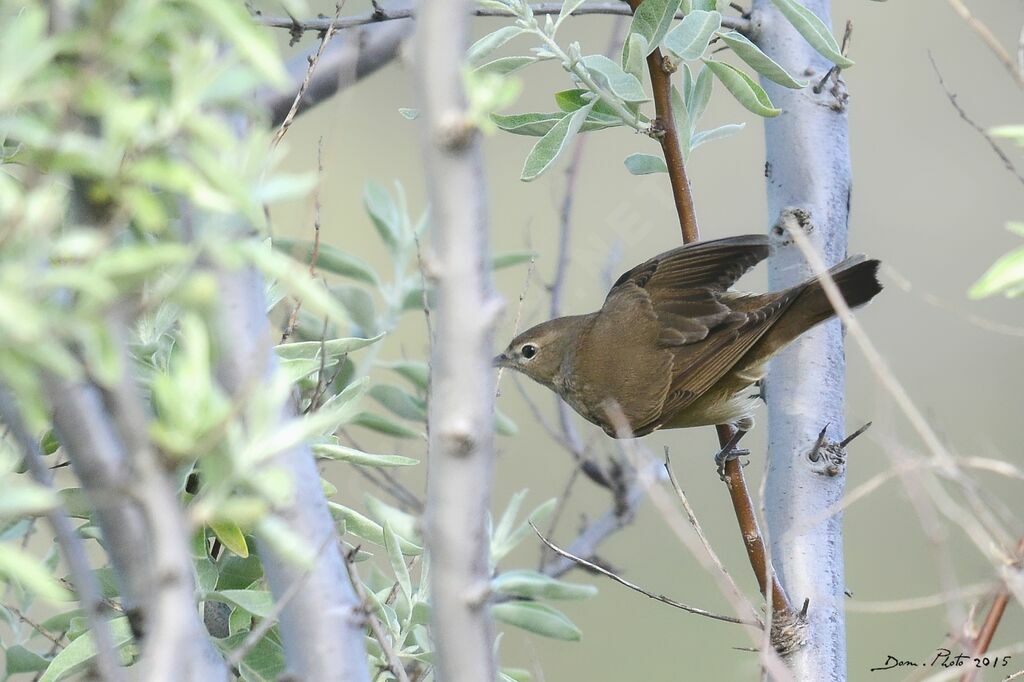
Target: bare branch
{"type": "Point", "coordinates": [990, 40]}
{"type": "Point", "coordinates": [462, 383]}
{"type": "Point", "coordinates": [394, 662]}
{"type": "Point", "coordinates": [590, 566]}
{"type": "Point", "coordinates": [84, 580]}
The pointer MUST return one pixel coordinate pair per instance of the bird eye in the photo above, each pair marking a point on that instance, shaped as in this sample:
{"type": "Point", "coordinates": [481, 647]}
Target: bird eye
{"type": "Point", "coordinates": [528, 350]}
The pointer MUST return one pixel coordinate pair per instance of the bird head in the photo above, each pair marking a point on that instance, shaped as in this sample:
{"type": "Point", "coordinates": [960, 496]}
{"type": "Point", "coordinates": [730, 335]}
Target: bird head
{"type": "Point", "coordinates": [539, 352]}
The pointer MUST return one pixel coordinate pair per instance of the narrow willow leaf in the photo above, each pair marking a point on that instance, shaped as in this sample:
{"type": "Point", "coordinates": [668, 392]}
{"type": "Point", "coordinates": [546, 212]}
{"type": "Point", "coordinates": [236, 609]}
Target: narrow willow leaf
{"type": "Point", "coordinates": [307, 350]}
{"type": "Point", "coordinates": [537, 618]}
{"type": "Point", "coordinates": [746, 91]}
{"type": "Point", "coordinates": [404, 524]}
{"type": "Point", "coordinates": [571, 100]}
{"type": "Point", "coordinates": [263, 663]}
{"type": "Point", "coordinates": [294, 278]}
{"type": "Point", "coordinates": [506, 65]}
{"type": "Point", "coordinates": [533, 124]}
{"type": "Point", "coordinates": [568, 7]}
{"type": "Point", "coordinates": [651, 21]}
{"type": "Point", "coordinates": [483, 48]}
{"type": "Point", "coordinates": [759, 61]}
{"type": "Point", "coordinates": [398, 402]}
{"type": "Point", "coordinates": [328, 259]}
{"type": "Point", "coordinates": [549, 147]}
{"type": "Point", "coordinates": [345, 454]}
{"type": "Point", "coordinates": [1005, 275]}
{"type": "Point", "coordinates": [503, 424]}
{"type": "Point", "coordinates": [716, 134]}
{"type": "Point", "coordinates": [814, 31]}
{"type": "Point", "coordinates": [368, 530]}
{"type": "Point", "coordinates": [511, 258]}
{"type": "Point", "coordinates": [231, 536]}
{"type": "Point", "coordinates": [78, 656]}
{"type": "Point", "coordinates": [690, 38]}
{"type": "Point", "coordinates": [610, 75]}
{"type": "Point", "coordinates": [634, 54]}
{"type": "Point", "coordinates": [645, 164]}
{"type": "Point", "coordinates": [385, 425]}
{"type": "Point", "coordinates": [22, 660]}
{"type": "Point", "coordinates": [259, 603]}
{"type": "Point", "coordinates": [684, 129]}
{"type": "Point", "coordinates": [1010, 132]}
{"type": "Point", "coordinates": [698, 96]}
{"type": "Point", "coordinates": [417, 373]}
{"type": "Point", "coordinates": [398, 565]}
{"type": "Point", "coordinates": [384, 213]}
{"type": "Point", "coordinates": [536, 585]}
{"type": "Point", "coordinates": [18, 565]}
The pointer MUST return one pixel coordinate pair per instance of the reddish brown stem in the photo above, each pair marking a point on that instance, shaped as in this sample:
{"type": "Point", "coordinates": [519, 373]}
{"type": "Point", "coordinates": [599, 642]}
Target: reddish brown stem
{"type": "Point", "coordinates": [665, 130]}
{"type": "Point", "coordinates": [992, 620]}
{"type": "Point", "coordinates": [753, 541]}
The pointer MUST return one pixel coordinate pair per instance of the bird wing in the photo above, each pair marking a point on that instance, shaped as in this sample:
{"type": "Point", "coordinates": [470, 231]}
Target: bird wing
{"type": "Point", "coordinates": [686, 290]}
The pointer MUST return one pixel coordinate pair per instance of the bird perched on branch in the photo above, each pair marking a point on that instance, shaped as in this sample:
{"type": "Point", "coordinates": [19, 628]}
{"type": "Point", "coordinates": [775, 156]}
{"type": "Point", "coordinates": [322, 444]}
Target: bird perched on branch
{"type": "Point", "coordinates": [673, 346]}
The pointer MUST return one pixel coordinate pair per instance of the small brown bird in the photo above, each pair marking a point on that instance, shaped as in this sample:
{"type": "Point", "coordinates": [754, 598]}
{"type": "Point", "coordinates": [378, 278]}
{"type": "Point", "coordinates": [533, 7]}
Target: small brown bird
{"type": "Point", "coordinates": [673, 346]}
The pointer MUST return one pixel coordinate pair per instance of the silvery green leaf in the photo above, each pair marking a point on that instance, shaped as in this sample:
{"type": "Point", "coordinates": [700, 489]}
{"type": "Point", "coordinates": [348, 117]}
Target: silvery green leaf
{"type": "Point", "coordinates": [814, 31]}
{"type": "Point", "coordinates": [332, 347]}
{"type": "Point", "coordinates": [759, 61]}
{"type": "Point", "coordinates": [1011, 132]}
{"type": "Point", "coordinates": [651, 21]}
{"type": "Point", "coordinates": [746, 91]}
{"type": "Point", "coordinates": [482, 49]}
{"type": "Point", "coordinates": [345, 454]}
{"type": "Point", "coordinates": [506, 65]}
{"type": "Point", "coordinates": [22, 660]}
{"type": "Point", "coordinates": [77, 656]}
{"type": "Point", "coordinates": [542, 52]}
{"type": "Point", "coordinates": [257, 602]}
{"type": "Point", "coordinates": [634, 53]}
{"type": "Point", "coordinates": [359, 304]}
{"type": "Point", "coordinates": [690, 38]}
{"type": "Point", "coordinates": [409, 114]}
{"type": "Point", "coordinates": [697, 99]}
{"type": "Point", "coordinates": [384, 213]}
{"type": "Point", "coordinates": [506, 260]}
{"type": "Point", "coordinates": [26, 499]}
{"type": "Point", "coordinates": [536, 585]}
{"type": "Point", "coordinates": [532, 124]}
{"type": "Point", "coordinates": [537, 618]}
{"type": "Point", "coordinates": [716, 134]}
{"type": "Point", "coordinates": [568, 7]}
{"type": "Point", "coordinates": [645, 164]}
{"type": "Point", "coordinates": [385, 425]}
{"type": "Point", "coordinates": [398, 565]}
{"type": "Point", "coordinates": [18, 566]}
{"type": "Point", "coordinates": [1006, 275]}
{"type": "Point", "coordinates": [549, 147]}
{"type": "Point", "coordinates": [418, 373]}
{"type": "Point", "coordinates": [684, 130]}
{"type": "Point", "coordinates": [368, 530]}
{"type": "Point", "coordinates": [705, 5]}
{"type": "Point", "coordinates": [404, 524]}
{"type": "Point", "coordinates": [610, 75]}
{"type": "Point", "coordinates": [503, 425]}
{"type": "Point", "coordinates": [295, 278]}
{"type": "Point", "coordinates": [398, 402]}
{"type": "Point", "coordinates": [329, 259]}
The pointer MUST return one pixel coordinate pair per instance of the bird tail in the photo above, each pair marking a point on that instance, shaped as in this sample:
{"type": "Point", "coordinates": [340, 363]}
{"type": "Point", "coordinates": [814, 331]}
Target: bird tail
{"type": "Point", "coordinates": [857, 279]}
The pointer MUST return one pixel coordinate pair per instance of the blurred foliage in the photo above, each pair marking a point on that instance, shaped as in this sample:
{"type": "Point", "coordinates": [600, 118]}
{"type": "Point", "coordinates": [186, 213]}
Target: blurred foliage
{"type": "Point", "coordinates": [132, 167]}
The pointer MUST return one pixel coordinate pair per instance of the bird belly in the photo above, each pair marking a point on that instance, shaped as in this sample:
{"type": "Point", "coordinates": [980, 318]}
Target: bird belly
{"type": "Point", "coordinates": [716, 407]}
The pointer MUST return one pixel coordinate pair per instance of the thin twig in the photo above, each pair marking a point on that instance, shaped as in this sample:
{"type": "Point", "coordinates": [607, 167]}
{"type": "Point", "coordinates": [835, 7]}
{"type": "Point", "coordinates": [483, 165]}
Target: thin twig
{"type": "Point", "coordinates": [86, 586]}
{"type": "Point", "coordinates": [995, 616]}
{"type": "Point", "coordinates": [314, 253]}
{"type": "Point", "coordinates": [321, 24]}
{"type": "Point", "coordinates": [990, 40]}
{"type": "Point", "coordinates": [981, 131]}
{"type": "Point", "coordinates": [589, 565]}
{"type": "Point", "coordinates": [394, 662]}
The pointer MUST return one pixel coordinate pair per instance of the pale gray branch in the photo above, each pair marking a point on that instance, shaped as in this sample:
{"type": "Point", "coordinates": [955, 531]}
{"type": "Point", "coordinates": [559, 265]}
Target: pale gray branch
{"type": "Point", "coordinates": [462, 390]}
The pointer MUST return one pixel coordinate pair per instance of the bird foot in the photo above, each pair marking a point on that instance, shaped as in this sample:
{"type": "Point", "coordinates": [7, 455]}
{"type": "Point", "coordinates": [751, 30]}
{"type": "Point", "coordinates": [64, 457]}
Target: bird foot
{"type": "Point", "coordinates": [727, 453]}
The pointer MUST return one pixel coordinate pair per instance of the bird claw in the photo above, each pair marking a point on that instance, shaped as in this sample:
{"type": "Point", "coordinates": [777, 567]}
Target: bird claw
{"type": "Point", "coordinates": [727, 453]}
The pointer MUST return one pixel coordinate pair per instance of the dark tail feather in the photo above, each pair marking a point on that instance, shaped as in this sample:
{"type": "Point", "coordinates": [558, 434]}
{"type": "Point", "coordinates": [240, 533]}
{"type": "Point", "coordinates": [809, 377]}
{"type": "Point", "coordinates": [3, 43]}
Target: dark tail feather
{"type": "Point", "coordinates": [857, 279]}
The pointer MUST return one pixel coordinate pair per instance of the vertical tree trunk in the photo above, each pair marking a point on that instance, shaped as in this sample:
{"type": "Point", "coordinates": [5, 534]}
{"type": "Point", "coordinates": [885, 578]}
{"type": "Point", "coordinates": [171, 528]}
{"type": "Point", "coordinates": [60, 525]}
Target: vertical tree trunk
{"type": "Point", "coordinates": [808, 181]}
{"type": "Point", "coordinates": [461, 419]}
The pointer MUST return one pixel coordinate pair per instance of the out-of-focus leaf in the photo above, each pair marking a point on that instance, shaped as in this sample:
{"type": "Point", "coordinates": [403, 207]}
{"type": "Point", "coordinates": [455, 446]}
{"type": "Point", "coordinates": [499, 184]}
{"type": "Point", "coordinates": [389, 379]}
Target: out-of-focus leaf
{"type": "Point", "coordinates": [746, 91]}
{"type": "Point", "coordinates": [385, 425]}
{"type": "Point", "coordinates": [508, 259]}
{"type": "Point", "coordinates": [18, 565]}
{"type": "Point", "coordinates": [359, 304]}
{"type": "Point", "coordinates": [385, 214]}
{"type": "Point", "coordinates": [264, 663]}
{"type": "Point", "coordinates": [340, 452]}
{"type": "Point", "coordinates": [503, 425]}
{"type": "Point", "coordinates": [482, 49]}
{"type": "Point", "coordinates": [328, 259]}
{"type": "Point", "coordinates": [21, 660]}
{"type": "Point", "coordinates": [644, 164]}
{"type": "Point", "coordinates": [393, 546]}
{"type": "Point", "coordinates": [404, 524]}
{"type": "Point", "coordinates": [231, 536]}
{"type": "Point", "coordinates": [333, 347]}
{"type": "Point", "coordinates": [503, 66]}
{"type": "Point", "coordinates": [77, 656]}
{"type": "Point", "coordinates": [257, 602]}
{"type": "Point", "coordinates": [1006, 275]}
{"type": "Point", "coordinates": [536, 585]}
{"type": "Point", "coordinates": [814, 31]}
{"type": "Point", "coordinates": [368, 530]}
{"type": "Point", "coordinates": [26, 499]}
{"type": "Point", "coordinates": [399, 402]}
{"type": "Point", "coordinates": [537, 618]}
{"type": "Point", "coordinates": [417, 373]}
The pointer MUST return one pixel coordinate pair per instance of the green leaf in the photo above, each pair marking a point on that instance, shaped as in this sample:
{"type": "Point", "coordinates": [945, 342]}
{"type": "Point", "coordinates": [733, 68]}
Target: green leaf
{"type": "Point", "coordinates": [294, 278]}
{"type": "Point", "coordinates": [231, 536]}
{"type": "Point", "coordinates": [690, 38]}
{"type": "Point", "coordinates": [536, 585]}
{"type": "Point", "coordinates": [532, 124]}
{"type": "Point", "coordinates": [404, 524]}
{"type": "Point", "coordinates": [384, 214]}
{"type": "Point", "coordinates": [483, 48]}
{"type": "Point", "coordinates": [651, 21]}
{"type": "Point", "coordinates": [393, 546]}
{"type": "Point", "coordinates": [511, 258]}
{"type": "Point", "coordinates": [814, 31]}
{"type": "Point", "coordinates": [77, 656]}
{"type": "Point", "coordinates": [417, 373]}
{"type": "Point", "coordinates": [746, 91]}
{"type": "Point", "coordinates": [264, 663]}
{"type": "Point", "coordinates": [503, 66]}
{"type": "Point", "coordinates": [344, 454]}
{"type": "Point", "coordinates": [576, 98]}
{"type": "Point", "coordinates": [385, 425]}
{"type": "Point", "coordinates": [552, 144]}
{"type": "Point", "coordinates": [716, 134]}
{"type": "Point", "coordinates": [1005, 275]}
{"type": "Point", "coordinates": [537, 618]}
{"type": "Point", "coordinates": [644, 164]}
{"type": "Point", "coordinates": [503, 425]}
{"type": "Point", "coordinates": [328, 259]}
{"type": "Point", "coordinates": [634, 51]}
{"type": "Point", "coordinates": [18, 565]}
{"type": "Point", "coordinates": [698, 96]}
{"type": "Point", "coordinates": [399, 402]}
{"type": "Point", "coordinates": [409, 114]}
{"type": "Point", "coordinates": [368, 530]}
{"type": "Point", "coordinates": [568, 7]}
{"type": "Point", "coordinates": [21, 660]}
{"type": "Point", "coordinates": [359, 304]}
{"type": "Point", "coordinates": [610, 75]}
{"type": "Point", "coordinates": [310, 350]}
{"type": "Point", "coordinates": [257, 602]}
{"type": "Point", "coordinates": [759, 61]}
{"type": "Point", "coordinates": [26, 499]}
{"type": "Point", "coordinates": [1012, 132]}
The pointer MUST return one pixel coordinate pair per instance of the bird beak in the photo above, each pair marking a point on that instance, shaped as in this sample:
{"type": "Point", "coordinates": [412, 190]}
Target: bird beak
{"type": "Point", "coordinates": [500, 360]}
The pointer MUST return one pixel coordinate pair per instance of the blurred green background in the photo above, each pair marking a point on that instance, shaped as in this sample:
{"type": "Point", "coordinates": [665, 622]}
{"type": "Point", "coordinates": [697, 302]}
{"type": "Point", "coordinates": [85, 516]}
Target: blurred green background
{"type": "Point", "coordinates": [930, 200]}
